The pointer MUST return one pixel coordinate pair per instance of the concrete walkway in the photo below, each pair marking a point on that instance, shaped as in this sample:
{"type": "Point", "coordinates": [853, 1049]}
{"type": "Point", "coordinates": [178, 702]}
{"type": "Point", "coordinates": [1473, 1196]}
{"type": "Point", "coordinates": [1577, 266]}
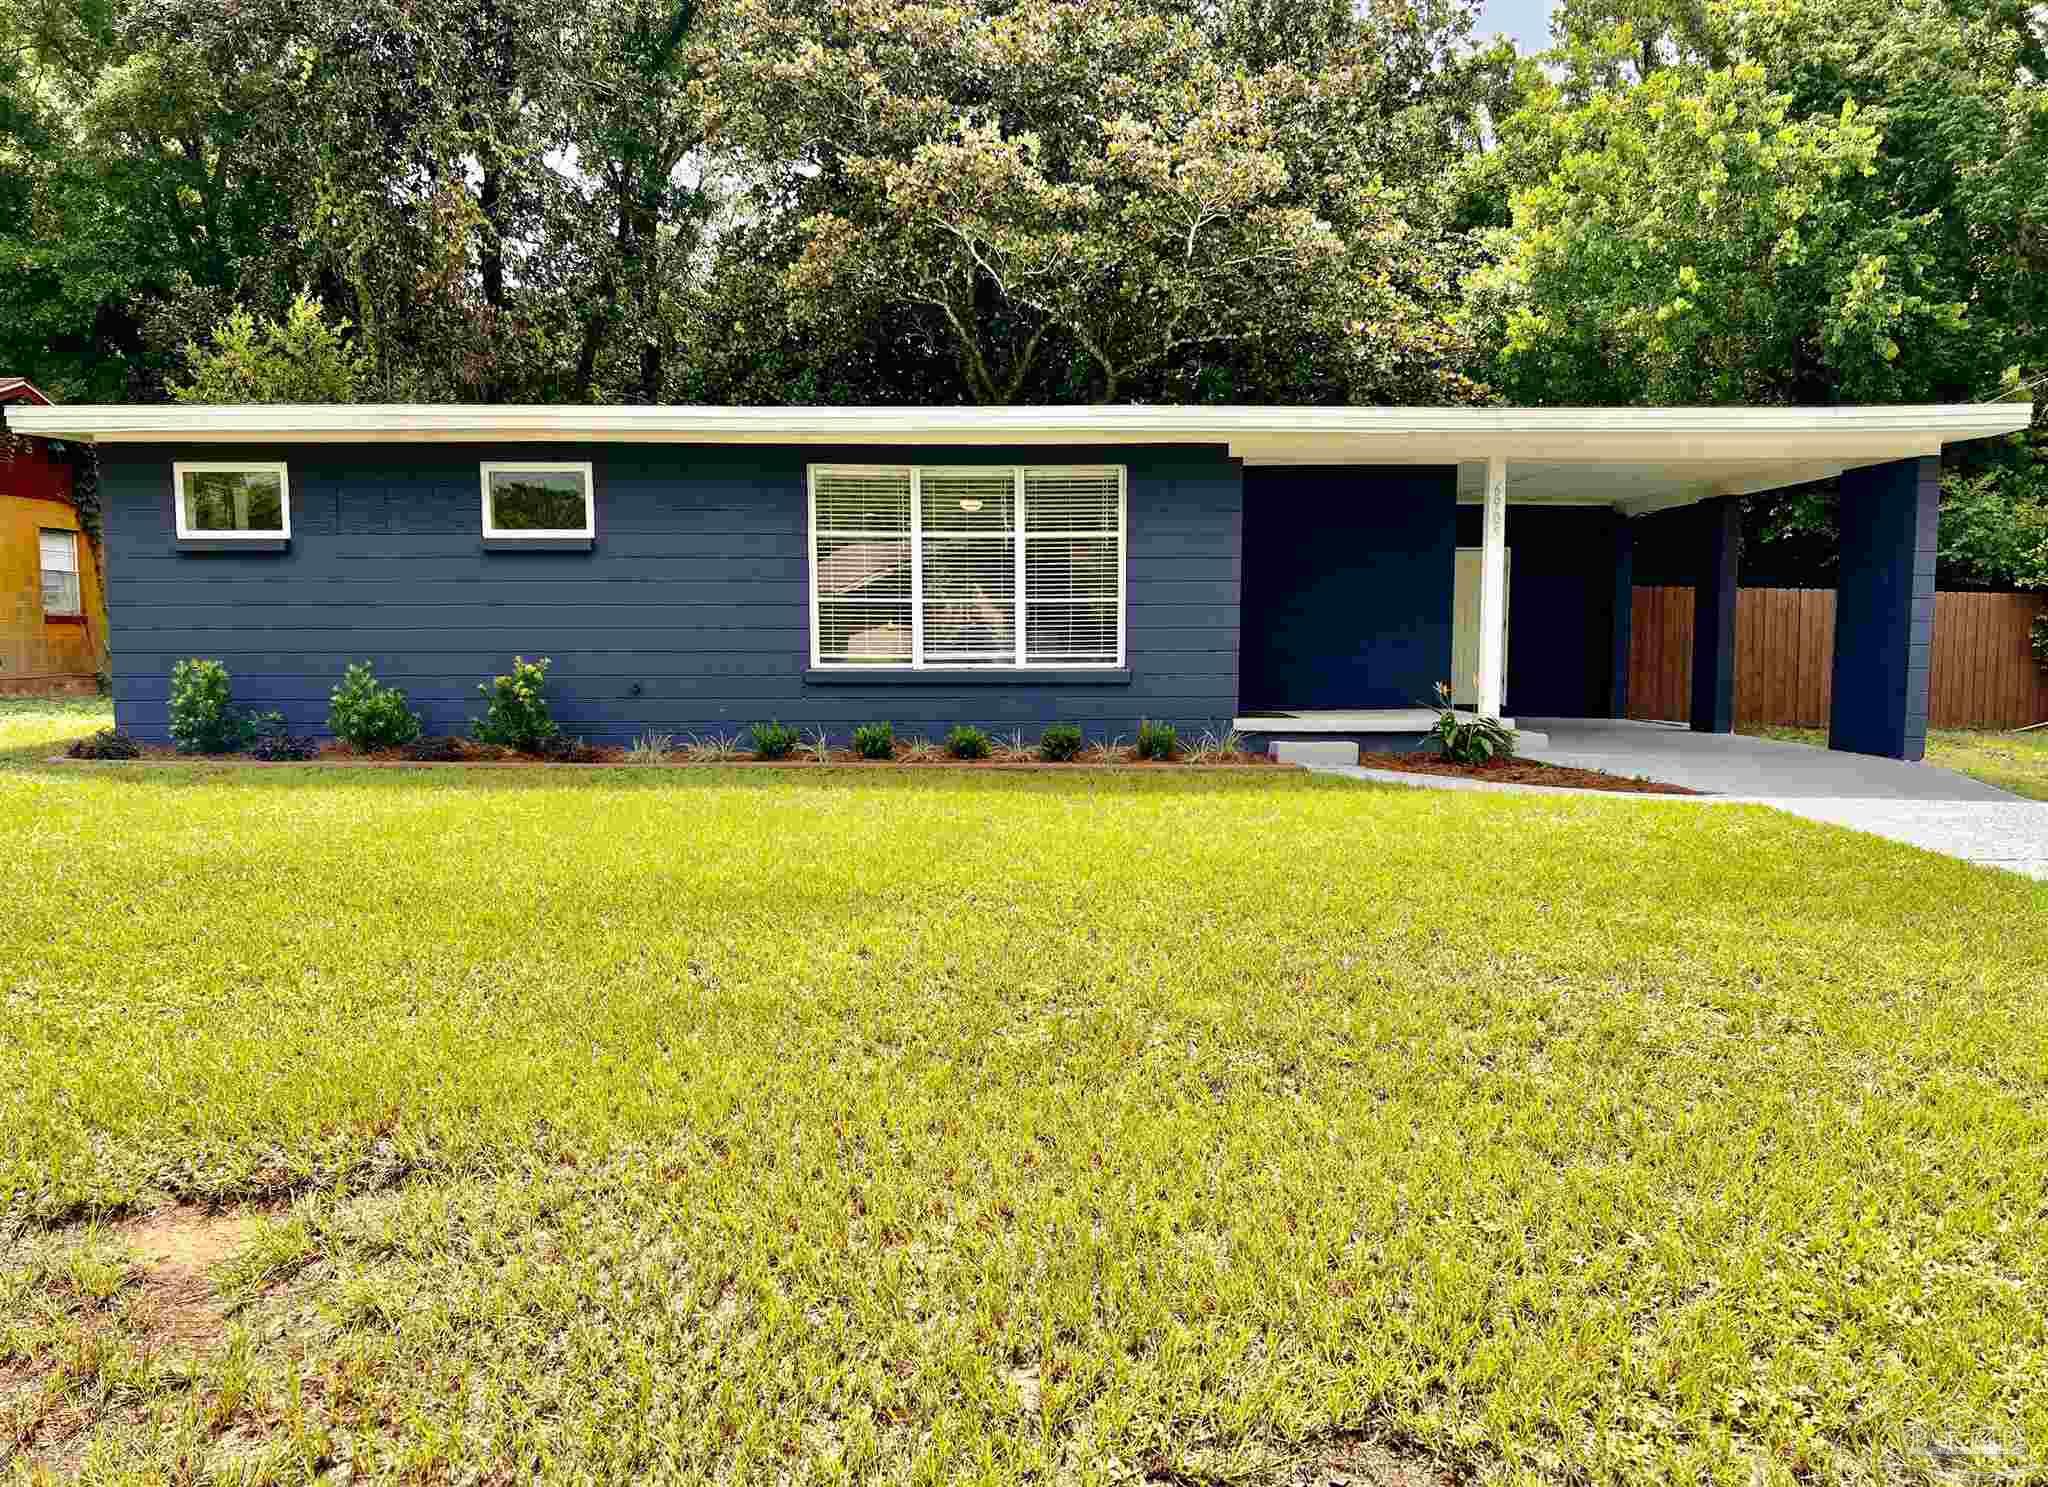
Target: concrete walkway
{"type": "Point", "coordinates": [1919, 804]}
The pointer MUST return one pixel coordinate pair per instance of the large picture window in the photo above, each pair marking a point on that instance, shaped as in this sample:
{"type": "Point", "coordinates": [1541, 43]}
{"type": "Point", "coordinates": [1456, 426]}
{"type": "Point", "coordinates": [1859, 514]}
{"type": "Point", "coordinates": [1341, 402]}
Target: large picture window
{"type": "Point", "coordinates": [538, 500]}
{"type": "Point", "coordinates": [232, 501]}
{"type": "Point", "coordinates": [980, 565]}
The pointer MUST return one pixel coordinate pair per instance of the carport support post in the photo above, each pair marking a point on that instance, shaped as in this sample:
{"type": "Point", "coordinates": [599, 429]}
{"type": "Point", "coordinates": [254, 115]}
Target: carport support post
{"type": "Point", "coordinates": [1884, 608]}
{"type": "Point", "coordinates": [1624, 616]}
{"type": "Point", "coordinates": [1713, 617]}
{"type": "Point", "coordinates": [1493, 588]}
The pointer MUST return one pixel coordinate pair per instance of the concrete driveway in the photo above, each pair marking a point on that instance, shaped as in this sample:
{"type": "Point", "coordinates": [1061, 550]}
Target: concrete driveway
{"type": "Point", "coordinates": [1915, 803]}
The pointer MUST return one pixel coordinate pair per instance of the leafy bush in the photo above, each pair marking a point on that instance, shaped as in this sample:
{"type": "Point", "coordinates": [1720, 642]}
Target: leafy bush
{"type": "Point", "coordinates": [518, 716]}
{"type": "Point", "coordinates": [435, 750]}
{"type": "Point", "coordinates": [773, 740]}
{"type": "Point", "coordinates": [967, 742]}
{"type": "Point", "coordinates": [108, 743]}
{"type": "Point", "coordinates": [875, 741]}
{"type": "Point", "coordinates": [204, 718]}
{"type": "Point", "coordinates": [275, 746]}
{"type": "Point", "coordinates": [365, 714]}
{"type": "Point", "coordinates": [1467, 738]}
{"type": "Point", "coordinates": [2037, 635]}
{"type": "Point", "coordinates": [1156, 740]}
{"type": "Point", "coordinates": [1060, 743]}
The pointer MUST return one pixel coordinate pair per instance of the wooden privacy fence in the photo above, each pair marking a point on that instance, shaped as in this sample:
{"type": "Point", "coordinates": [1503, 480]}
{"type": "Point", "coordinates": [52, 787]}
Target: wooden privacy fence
{"type": "Point", "coordinates": [1982, 675]}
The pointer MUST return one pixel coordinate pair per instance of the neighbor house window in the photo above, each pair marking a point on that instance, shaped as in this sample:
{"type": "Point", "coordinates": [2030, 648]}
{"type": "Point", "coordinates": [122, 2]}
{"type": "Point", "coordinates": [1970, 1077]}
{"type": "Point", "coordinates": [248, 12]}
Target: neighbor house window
{"type": "Point", "coordinates": [231, 501]}
{"type": "Point", "coordinates": [967, 566]}
{"type": "Point", "coordinates": [538, 500]}
{"type": "Point", "coordinates": [61, 596]}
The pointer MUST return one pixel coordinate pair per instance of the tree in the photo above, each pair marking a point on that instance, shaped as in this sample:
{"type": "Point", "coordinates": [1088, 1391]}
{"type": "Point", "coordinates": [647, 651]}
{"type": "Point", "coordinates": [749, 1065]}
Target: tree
{"type": "Point", "coordinates": [300, 359]}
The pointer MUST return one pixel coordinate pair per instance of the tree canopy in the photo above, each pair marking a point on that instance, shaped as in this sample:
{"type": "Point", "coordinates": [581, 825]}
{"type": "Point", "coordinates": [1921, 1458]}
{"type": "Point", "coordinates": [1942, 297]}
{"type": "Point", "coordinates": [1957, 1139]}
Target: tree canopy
{"type": "Point", "coordinates": [1686, 201]}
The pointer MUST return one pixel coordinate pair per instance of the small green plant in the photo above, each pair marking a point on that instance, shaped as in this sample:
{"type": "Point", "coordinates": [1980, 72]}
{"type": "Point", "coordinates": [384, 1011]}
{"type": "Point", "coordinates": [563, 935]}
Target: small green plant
{"type": "Point", "coordinates": [818, 744]}
{"type": "Point", "coordinates": [517, 716]}
{"type": "Point", "coordinates": [1467, 738]}
{"type": "Point", "coordinates": [651, 748]}
{"type": "Point", "coordinates": [967, 742]}
{"type": "Point", "coordinates": [773, 740]}
{"type": "Point", "coordinates": [367, 715]}
{"type": "Point", "coordinates": [917, 749]}
{"type": "Point", "coordinates": [1104, 750]}
{"type": "Point", "coordinates": [108, 743]}
{"type": "Point", "coordinates": [1160, 741]}
{"type": "Point", "coordinates": [715, 748]}
{"type": "Point", "coordinates": [1217, 748]}
{"type": "Point", "coordinates": [1060, 743]}
{"type": "Point", "coordinates": [875, 741]}
{"type": "Point", "coordinates": [204, 718]}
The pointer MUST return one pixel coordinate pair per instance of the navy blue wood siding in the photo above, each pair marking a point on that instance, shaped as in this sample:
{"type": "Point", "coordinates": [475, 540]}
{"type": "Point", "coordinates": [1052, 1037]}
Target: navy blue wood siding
{"type": "Point", "coordinates": [1561, 608]}
{"type": "Point", "coordinates": [1348, 575]}
{"type": "Point", "coordinates": [691, 614]}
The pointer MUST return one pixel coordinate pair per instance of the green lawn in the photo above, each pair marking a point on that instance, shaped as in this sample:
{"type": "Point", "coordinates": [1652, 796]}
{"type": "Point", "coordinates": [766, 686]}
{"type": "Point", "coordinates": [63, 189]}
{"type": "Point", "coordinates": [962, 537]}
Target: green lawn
{"type": "Point", "coordinates": [2012, 761]}
{"type": "Point", "coordinates": [765, 1127]}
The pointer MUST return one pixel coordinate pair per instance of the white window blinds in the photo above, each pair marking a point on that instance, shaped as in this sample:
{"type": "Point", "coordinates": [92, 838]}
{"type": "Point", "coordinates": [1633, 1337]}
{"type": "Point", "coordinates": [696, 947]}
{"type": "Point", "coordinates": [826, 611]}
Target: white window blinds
{"type": "Point", "coordinates": [968, 566]}
{"type": "Point", "coordinates": [61, 594]}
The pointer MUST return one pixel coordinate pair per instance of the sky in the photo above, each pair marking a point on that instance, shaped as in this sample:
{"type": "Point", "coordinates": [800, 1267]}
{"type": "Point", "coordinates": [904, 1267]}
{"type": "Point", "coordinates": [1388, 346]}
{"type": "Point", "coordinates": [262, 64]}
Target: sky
{"type": "Point", "coordinates": [1528, 21]}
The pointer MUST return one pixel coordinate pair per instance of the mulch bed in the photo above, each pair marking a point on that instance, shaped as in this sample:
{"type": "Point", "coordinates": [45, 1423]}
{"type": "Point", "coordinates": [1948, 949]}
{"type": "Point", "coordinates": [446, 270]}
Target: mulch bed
{"type": "Point", "coordinates": [468, 752]}
{"type": "Point", "coordinates": [1519, 772]}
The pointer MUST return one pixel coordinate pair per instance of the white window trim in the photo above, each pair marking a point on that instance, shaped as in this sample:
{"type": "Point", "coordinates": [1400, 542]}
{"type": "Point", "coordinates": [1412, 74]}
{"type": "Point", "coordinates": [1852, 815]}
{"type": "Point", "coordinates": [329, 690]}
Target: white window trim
{"type": "Point", "coordinates": [917, 662]}
{"type": "Point", "coordinates": [539, 467]}
{"type": "Point", "coordinates": [75, 570]}
{"type": "Point", "coordinates": [182, 468]}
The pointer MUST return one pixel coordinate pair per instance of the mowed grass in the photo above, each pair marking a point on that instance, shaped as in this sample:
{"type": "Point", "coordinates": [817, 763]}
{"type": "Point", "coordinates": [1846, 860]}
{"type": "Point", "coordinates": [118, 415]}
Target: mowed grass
{"type": "Point", "coordinates": [2012, 761]}
{"type": "Point", "coordinates": [756, 1127]}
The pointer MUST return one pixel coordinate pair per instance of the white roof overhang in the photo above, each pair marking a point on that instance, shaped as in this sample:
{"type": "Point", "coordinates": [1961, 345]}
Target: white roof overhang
{"type": "Point", "coordinates": [1637, 459]}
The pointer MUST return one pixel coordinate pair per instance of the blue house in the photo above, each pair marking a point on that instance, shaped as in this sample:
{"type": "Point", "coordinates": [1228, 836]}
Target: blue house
{"type": "Point", "coordinates": [1292, 572]}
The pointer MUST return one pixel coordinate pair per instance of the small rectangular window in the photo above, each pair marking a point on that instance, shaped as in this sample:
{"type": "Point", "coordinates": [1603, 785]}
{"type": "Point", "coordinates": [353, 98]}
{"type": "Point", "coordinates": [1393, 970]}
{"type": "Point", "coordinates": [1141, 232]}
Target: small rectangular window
{"type": "Point", "coordinates": [61, 596]}
{"type": "Point", "coordinates": [983, 566]}
{"type": "Point", "coordinates": [551, 500]}
{"type": "Point", "coordinates": [233, 501]}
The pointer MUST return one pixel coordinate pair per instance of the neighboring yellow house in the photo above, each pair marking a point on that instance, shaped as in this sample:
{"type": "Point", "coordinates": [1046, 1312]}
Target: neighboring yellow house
{"type": "Point", "coordinates": [53, 614]}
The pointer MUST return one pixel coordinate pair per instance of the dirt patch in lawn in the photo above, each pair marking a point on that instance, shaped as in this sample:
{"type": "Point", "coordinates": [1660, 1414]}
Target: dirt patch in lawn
{"type": "Point", "coordinates": [176, 1248]}
{"type": "Point", "coordinates": [1519, 772]}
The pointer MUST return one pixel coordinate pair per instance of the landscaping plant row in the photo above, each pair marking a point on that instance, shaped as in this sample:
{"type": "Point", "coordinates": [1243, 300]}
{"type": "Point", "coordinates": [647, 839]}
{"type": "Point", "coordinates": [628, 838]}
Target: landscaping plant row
{"type": "Point", "coordinates": [371, 719]}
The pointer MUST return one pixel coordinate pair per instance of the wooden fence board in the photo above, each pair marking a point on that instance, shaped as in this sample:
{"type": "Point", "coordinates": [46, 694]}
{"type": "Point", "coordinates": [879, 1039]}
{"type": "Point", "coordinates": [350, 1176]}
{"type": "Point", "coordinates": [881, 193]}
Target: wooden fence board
{"type": "Point", "coordinates": [1983, 674]}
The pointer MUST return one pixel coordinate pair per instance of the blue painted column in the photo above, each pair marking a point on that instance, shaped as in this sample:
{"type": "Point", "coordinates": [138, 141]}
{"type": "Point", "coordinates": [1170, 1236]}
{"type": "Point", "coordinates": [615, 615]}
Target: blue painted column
{"type": "Point", "coordinates": [1713, 617]}
{"type": "Point", "coordinates": [1884, 608]}
{"type": "Point", "coordinates": [1624, 616]}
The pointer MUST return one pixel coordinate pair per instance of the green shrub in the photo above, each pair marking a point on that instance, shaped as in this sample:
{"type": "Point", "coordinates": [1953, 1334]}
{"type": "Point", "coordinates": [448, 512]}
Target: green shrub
{"type": "Point", "coordinates": [365, 714]}
{"type": "Point", "coordinates": [2037, 636]}
{"type": "Point", "coordinates": [875, 741]}
{"type": "Point", "coordinates": [518, 716]}
{"type": "Point", "coordinates": [1156, 740]}
{"type": "Point", "coordinates": [108, 743]}
{"type": "Point", "coordinates": [1467, 738]}
{"type": "Point", "coordinates": [204, 718]}
{"type": "Point", "coordinates": [967, 742]}
{"type": "Point", "coordinates": [1060, 743]}
{"type": "Point", "coordinates": [773, 740]}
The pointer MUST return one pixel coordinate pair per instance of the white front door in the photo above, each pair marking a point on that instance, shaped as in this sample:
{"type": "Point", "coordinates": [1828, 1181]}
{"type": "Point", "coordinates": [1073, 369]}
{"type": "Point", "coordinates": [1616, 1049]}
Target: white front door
{"type": "Point", "coordinates": [1465, 627]}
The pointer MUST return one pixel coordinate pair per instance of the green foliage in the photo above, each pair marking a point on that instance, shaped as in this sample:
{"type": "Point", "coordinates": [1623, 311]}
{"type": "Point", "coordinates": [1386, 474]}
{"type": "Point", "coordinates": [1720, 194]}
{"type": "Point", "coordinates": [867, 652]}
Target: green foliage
{"type": "Point", "coordinates": [1468, 738]}
{"type": "Point", "coordinates": [204, 717]}
{"type": "Point", "coordinates": [273, 745]}
{"type": "Point", "coordinates": [517, 716]}
{"type": "Point", "coordinates": [367, 715]}
{"type": "Point", "coordinates": [875, 741]}
{"type": "Point", "coordinates": [2037, 638]}
{"type": "Point", "coordinates": [1156, 740]}
{"type": "Point", "coordinates": [1060, 743]}
{"type": "Point", "coordinates": [301, 359]}
{"type": "Point", "coordinates": [966, 741]}
{"type": "Point", "coordinates": [108, 743]}
{"type": "Point", "coordinates": [773, 740]}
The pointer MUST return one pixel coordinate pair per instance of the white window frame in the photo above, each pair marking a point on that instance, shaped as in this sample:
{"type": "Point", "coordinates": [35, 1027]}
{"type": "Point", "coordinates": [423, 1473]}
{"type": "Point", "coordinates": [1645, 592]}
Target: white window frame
{"type": "Point", "coordinates": [181, 468]}
{"type": "Point", "coordinates": [76, 572]}
{"type": "Point", "coordinates": [539, 467]}
{"type": "Point", "coordinates": [1021, 536]}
